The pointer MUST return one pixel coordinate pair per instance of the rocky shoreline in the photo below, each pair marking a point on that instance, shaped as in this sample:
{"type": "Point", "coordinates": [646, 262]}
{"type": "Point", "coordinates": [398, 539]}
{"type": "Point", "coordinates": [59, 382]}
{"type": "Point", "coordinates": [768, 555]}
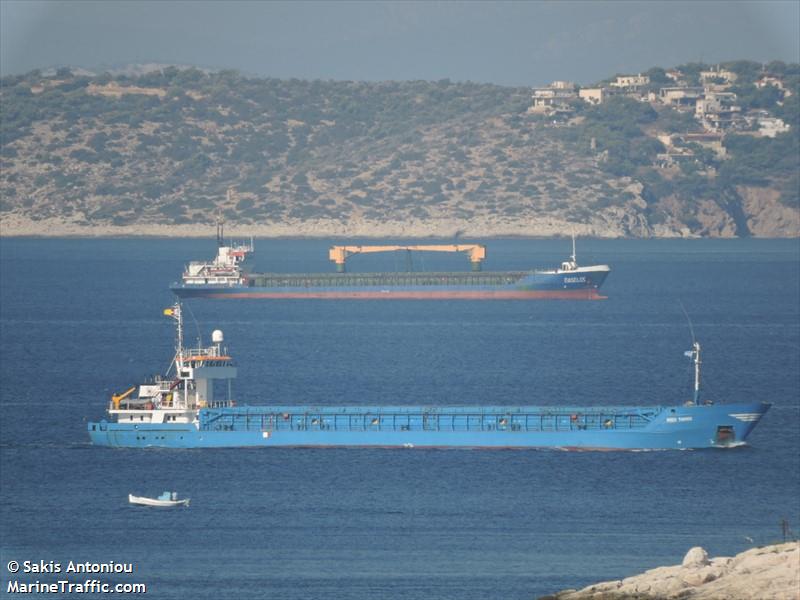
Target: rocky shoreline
{"type": "Point", "coordinates": [17, 225]}
{"type": "Point", "coordinates": [770, 572]}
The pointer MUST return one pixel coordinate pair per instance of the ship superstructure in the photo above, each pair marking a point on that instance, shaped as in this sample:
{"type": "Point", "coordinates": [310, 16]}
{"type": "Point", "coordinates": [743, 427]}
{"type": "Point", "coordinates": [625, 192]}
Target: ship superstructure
{"type": "Point", "coordinates": [226, 270]}
{"type": "Point", "coordinates": [188, 387]}
{"type": "Point", "coordinates": [186, 410]}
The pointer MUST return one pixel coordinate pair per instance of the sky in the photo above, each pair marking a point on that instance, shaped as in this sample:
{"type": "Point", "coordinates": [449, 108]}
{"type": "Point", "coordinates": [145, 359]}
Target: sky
{"type": "Point", "coordinates": [508, 43]}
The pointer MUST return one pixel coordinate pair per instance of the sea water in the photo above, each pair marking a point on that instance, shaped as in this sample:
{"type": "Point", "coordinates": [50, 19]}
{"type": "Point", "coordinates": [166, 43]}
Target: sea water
{"type": "Point", "coordinates": [81, 319]}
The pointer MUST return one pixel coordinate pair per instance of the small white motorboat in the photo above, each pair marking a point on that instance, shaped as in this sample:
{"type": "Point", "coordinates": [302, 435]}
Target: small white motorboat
{"type": "Point", "coordinates": [166, 499]}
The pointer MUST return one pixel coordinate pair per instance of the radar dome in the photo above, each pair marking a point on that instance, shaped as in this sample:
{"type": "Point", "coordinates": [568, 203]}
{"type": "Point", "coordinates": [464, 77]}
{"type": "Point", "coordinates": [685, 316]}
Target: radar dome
{"type": "Point", "coordinates": [217, 337]}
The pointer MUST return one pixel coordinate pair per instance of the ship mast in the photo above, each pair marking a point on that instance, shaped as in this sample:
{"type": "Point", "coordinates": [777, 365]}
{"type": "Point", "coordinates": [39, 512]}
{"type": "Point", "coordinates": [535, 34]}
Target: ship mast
{"type": "Point", "coordinates": [694, 354]}
{"type": "Point", "coordinates": [696, 357]}
{"type": "Point", "coordinates": [220, 238]}
{"type": "Point", "coordinates": [221, 221]}
{"type": "Point", "coordinates": [179, 319]}
{"type": "Point", "coordinates": [175, 313]}
{"type": "Point", "coordinates": [574, 259]}
{"type": "Point", "coordinates": [572, 263]}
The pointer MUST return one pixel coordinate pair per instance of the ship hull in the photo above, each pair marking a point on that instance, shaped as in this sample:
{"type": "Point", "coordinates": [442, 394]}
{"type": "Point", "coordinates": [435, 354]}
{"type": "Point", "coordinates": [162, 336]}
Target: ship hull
{"type": "Point", "coordinates": [597, 428]}
{"type": "Point", "coordinates": [583, 284]}
{"type": "Point", "coordinates": [244, 293]}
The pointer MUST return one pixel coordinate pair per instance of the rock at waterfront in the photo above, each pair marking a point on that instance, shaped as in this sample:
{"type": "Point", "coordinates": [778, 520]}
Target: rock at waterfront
{"type": "Point", "coordinates": [696, 557]}
{"type": "Point", "coordinates": [771, 572]}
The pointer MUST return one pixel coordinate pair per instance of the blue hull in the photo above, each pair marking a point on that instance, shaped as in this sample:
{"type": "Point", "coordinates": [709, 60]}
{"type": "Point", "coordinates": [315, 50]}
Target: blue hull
{"type": "Point", "coordinates": [595, 428]}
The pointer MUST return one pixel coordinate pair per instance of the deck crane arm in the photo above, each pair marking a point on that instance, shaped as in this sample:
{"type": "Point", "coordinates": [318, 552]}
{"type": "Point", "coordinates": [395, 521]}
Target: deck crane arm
{"type": "Point", "coordinates": [117, 398]}
{"type": "Point", "coordinates": [339, 254]}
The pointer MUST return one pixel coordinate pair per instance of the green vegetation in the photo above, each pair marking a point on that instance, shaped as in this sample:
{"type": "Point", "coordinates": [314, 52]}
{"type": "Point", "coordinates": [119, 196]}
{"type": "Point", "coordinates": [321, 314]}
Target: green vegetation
{"type": "Point", "coordinates": [211, 131]}
{"type": "Point", "coordinates": [616, 128]}
{"type": "Point", "coordinates": [168, 151]}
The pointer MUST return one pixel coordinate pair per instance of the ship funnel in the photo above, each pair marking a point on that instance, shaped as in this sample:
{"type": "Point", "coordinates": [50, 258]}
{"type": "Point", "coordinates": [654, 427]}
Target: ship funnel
{"type": "Point", "coordinates": [217, 337]}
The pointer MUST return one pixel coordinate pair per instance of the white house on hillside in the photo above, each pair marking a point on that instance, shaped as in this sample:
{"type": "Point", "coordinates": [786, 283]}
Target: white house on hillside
{"type": "Point", "coordinates": [553, 98]}
{"type": "Point", "coordinates": [630, 81]}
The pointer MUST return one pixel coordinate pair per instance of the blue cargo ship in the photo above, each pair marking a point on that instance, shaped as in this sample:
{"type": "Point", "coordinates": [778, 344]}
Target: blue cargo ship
{"type": "Point", "coordinates": [227, 277]}
{"type": "Point", "coordinates": [186, 409]}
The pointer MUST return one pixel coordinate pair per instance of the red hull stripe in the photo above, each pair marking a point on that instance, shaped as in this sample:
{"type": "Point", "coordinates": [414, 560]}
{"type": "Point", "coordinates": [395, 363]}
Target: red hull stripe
{"type": "Point", "coordinates": [444, 447]}
{"type": "Point", "coordinates": [432, 295]}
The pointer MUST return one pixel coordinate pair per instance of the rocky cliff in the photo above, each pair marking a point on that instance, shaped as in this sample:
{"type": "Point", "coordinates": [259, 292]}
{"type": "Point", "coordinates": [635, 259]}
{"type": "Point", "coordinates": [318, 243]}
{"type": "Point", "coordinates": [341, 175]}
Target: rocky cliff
{"type": "Point", "coordinates": [768, 573]}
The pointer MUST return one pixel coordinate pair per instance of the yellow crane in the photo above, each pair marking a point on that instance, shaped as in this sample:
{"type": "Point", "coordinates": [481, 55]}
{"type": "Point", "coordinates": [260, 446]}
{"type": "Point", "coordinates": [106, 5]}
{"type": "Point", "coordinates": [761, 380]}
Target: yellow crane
{"type": "Point", "coordinates": [339, 254]}
{"type": "Point", "coordinates": [117, 398]}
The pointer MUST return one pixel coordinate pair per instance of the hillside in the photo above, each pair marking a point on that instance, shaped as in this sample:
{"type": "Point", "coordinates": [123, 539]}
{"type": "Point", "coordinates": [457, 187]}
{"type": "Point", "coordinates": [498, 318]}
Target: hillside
{"type": "Point", "coordinates": [157, 153]}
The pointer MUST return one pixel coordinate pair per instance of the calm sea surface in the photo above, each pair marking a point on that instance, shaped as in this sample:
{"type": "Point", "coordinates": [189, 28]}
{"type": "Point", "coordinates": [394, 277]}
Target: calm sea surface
{"type": "Point", "coordinates": [81, 319]}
